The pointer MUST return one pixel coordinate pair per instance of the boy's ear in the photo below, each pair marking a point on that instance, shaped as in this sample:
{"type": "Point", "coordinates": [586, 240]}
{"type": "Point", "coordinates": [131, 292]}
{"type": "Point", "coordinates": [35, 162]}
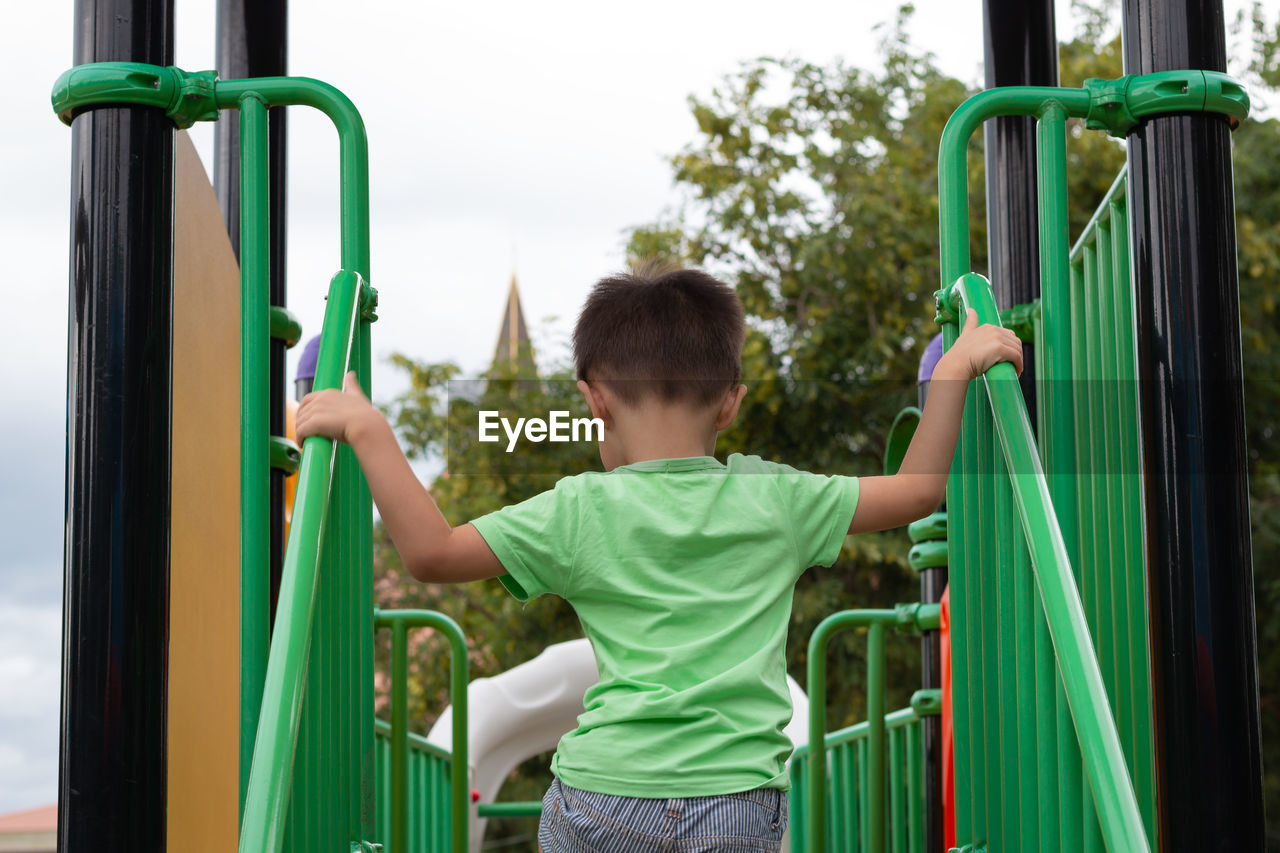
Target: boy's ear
{"type": "Point", "coordinates": [729, 408]}
{"type": "Point", "coordinates": [595, 402]}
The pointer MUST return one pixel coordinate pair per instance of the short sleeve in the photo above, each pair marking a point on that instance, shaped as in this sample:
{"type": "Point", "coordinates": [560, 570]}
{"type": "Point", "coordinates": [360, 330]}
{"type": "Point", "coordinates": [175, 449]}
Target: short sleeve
{"type": "Point", "coordinates": [534, 541]}
{"type": "Point", "coordinates": [821, 509]}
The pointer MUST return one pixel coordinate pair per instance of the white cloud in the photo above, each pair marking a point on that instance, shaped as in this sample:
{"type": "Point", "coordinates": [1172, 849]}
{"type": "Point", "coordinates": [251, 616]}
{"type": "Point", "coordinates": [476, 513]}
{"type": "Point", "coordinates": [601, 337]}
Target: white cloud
{"type": "Point", "coordinates": [29, 681]}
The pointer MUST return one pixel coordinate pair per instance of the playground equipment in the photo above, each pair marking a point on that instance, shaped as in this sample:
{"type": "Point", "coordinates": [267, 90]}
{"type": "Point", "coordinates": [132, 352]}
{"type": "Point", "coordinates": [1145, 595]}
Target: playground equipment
{"type": "Point", "coordinates": [1119, 710]}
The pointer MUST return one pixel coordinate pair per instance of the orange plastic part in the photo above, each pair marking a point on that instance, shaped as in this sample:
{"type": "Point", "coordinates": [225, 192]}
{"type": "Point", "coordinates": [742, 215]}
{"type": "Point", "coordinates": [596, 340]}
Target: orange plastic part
{"type": "Point", "coordinates": [948, 741]}
{"type": "Point", "coordinates": [291, 481]}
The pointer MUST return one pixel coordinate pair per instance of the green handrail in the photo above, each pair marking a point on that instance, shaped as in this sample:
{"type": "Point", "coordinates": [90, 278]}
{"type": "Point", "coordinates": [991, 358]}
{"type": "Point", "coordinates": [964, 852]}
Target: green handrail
{"type": "Point", "coordinates": [1104, 760]}
{"type": "Point", "coordinates": [845, 752]}
{"type": "Point", "coordinates": [266, 797]}
{"type": "Point", "coordinates": [271, 774]}
{"type": "Point", "coordinates": [915, 617]}
{"type": "Point", "coordinates": [513, 808]}
{"type": "Point", "coordinates": [399, 622]}
{"type": "Point", "coordinates": [1116, 106]}
{"type": "Point", "coordinates": [276, 685]}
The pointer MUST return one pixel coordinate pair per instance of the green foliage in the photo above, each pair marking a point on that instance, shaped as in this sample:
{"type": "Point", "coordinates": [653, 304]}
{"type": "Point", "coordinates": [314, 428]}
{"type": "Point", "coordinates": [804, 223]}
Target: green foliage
{"type": "Point", "coordinates": [1257, 181]}
{"type": "Point", "coordinates": [437, 419]}
{"type": "Point", "coordinates": [1264, 38]}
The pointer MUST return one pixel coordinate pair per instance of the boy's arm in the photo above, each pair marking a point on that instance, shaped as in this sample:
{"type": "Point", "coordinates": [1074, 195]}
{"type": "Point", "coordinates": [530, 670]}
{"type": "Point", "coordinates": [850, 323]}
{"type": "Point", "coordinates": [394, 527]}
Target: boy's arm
{"type": "Point", "coordinates": [921, 481]}
{"type": "Point", "coordinates": [431, 550]}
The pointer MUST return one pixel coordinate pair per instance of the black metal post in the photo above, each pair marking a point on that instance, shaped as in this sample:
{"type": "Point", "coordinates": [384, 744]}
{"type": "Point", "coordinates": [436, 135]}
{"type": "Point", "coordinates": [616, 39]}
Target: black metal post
{"type": "Point", "coordinates": [252, 41]}
{"type": "Point", "coordinates": [933, 583]}
{"type": "Point", "coordinates": [1199, 566]}
{"type": "Point", "coordinates": [1020, 49]}
{"type": "Point", "coordinates": [112, 767]}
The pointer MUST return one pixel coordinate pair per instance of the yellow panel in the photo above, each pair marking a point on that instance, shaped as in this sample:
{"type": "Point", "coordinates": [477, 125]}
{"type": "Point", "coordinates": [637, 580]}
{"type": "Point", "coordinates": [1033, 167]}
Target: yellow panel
{"type": "Point", "coordinates": [204, 549]}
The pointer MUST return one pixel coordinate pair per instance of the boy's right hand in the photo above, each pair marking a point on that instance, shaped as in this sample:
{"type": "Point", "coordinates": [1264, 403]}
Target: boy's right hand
{"type": "Point", "coordinates": [979, 348]}
{"type": "Point", "coordinates": [339, 415]}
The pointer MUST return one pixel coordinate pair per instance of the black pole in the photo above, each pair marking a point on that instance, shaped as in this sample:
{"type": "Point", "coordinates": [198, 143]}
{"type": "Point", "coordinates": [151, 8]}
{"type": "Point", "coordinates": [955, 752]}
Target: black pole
{"type": "Point", "coordinates": [1196, 501]}
{"type": "Point", "coordinates": [252, 41]}
{"type": "Point", "coordinates": [1021, 49]}
{"type": "Point", "coordinates": [112, 769]}
{"type": "Point", "coordinates": [933, 583]}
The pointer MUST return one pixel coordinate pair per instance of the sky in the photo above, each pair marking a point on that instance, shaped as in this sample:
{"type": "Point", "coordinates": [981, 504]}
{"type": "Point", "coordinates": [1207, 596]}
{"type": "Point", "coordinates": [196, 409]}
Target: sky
{"type": "Point", "coordinates": [505, 138]}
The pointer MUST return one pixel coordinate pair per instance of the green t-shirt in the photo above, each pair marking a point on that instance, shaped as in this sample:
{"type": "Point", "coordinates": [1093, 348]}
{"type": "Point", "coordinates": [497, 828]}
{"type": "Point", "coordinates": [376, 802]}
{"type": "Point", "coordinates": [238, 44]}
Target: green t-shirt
{"type": "Point", "coordinates": [682, 572]}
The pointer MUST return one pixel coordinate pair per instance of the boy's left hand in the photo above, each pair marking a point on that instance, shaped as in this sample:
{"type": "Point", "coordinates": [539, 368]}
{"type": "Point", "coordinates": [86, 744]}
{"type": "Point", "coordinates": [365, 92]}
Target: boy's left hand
{"type": "Point", "coordinates": [978, 348]}
{"type": "Point", "coordinates": [339, 415]}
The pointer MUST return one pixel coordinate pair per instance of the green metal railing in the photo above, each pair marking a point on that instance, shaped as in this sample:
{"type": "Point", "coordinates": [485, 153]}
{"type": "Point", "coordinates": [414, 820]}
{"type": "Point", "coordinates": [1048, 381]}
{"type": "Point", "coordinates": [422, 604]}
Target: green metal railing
{"type": "Point", "coordinates": [412, 770]}
{"type": "Point", "coordinates": [317, 743]}
{"type": "Point", "coordinates": [848, 825]}
{"type": "Point", "coordinates": [324, 615]}
{"type": "Point", "coordinates": [1109, 498]}
{"type": "Point", "coordinates": [1040, 761]}
{"type": "Point", "coordinates": [857, 802]}
{"type": "Point", "coordinates": [285, 683]}
{"type": "Point", "coordinates": [428, 769]}
{"type": "Point", "coordinates": [1011, 737]}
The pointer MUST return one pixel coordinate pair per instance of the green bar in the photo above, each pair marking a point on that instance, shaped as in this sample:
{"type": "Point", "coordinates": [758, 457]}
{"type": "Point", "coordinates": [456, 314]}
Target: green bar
{"type": "Point", "coordinates": [353, 148]}
{"type": "Point", "coordinates": [873, 794]}
{"type": "Point", "coordinates": [527, 808]}
{"type": "Point", "coordinates": [897, 806]}
{"type": "Point", "coordinates": [255, 451]}
{"type": "Point", "coordinates": [362, 696]}
{"type": "Point", "coordinates": [795, 803]}
{"type": "Point", "coordinates": [399, 736]}
{"type": "Point", "coordinates": [262, 827]}
{"type": "Point", "coordinates": [915, 790]}
{"type": "Point", "coordinates": [1096, 437]}
{"type": "Point", "coordinates": [960, 494]}
{"type": "Point", "coordinates": [1143, 770]}
{"type": "Point", "coordinates": [875, 735]}
{"type": "Point", "coordinates": [1103, 604]}
{"type": "Point", "coordinates": [986, 815]}
{"type": "Point", "coordinates": [1103, 759]}
{"type": "Point", "coordinates": [1008, 707]}
{"type": "Point", "coordinates": [1070, 765]}
{"type": "Point", "coordinates": [1068, 749]}
{"type": "Point", "coordinates": [863, 824]}
{"type": "Point", "coordinates": [1086, 448]}
{"type": "Point", "coordinates": [1128, 630]}
{"type": "Point", "coordinates": [1121, 629]}
{"type": "Point", "coordinates": [399, 621]}
{"type": "Point", "coordinates": [953, 168]}
{"type": "Point", "coordinates": [1058, 435]}
{"type": "Point", "coordinates": [1055, 302]}
{"type": "Point", "coordinates": [842, 806]}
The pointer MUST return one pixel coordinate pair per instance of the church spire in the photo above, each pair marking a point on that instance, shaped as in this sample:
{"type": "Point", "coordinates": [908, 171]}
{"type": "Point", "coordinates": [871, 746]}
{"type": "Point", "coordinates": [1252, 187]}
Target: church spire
{"type": "Point", "coordinates": [514, 348]}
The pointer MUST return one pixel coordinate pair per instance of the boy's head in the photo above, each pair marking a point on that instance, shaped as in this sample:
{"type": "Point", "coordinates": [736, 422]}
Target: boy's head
{"type": "Point", "coordinates": [661, 332]}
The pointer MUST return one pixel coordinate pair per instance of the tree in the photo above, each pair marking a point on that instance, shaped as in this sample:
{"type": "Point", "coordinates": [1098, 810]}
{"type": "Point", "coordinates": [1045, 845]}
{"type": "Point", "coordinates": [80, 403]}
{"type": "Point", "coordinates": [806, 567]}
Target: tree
{"type": "Point", "coordinates": [1257, 183]}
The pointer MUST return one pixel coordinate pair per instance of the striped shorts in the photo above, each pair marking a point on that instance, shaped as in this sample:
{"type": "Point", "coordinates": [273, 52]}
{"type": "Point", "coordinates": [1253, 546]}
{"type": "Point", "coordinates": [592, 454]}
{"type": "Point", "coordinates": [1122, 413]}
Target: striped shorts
{"type": "Point", "coordinates": [575, 821]}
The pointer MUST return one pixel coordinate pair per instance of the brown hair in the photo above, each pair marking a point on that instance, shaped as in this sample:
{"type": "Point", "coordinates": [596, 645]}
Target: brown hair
{"type": "Point", "coordinates": [659, 329]}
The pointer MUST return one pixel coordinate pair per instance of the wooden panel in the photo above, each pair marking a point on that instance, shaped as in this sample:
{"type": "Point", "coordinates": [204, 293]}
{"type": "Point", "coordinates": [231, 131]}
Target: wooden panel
{"type": "Point", "coordinates": [204, 594]}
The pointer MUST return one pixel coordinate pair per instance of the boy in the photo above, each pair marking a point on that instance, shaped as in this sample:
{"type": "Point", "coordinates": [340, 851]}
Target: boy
{"type": "Point", "coordinates": [681, 568]}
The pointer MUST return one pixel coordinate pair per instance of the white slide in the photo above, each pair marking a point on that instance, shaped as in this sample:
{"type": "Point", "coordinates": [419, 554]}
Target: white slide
{"type": "Point", "coordinates": [524, 711]}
